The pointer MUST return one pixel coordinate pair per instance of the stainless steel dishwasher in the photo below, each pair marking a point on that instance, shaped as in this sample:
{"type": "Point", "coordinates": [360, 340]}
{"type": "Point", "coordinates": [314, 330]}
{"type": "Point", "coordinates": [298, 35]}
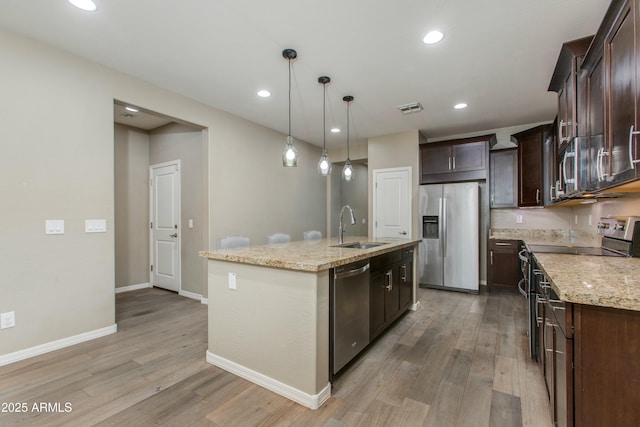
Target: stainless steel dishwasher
{"type": "Point", "coordinates": [350, 319]}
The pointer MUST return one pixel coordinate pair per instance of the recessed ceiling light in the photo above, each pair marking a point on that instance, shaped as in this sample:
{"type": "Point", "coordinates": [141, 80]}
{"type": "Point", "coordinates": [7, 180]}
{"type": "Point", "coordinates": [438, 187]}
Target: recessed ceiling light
{"type": "Point", "coordinates": [460, 106]}
{"type": "Point", "coordinates": [87, 5]}
{"type": "Point", "coordinates": [133, 110]}
{"type": "Point", "coordinates": [433, 37]}
{"type": "Point", "coordinates": [335, 130]}
{"type": "Point", "coordinates": [264, 93]}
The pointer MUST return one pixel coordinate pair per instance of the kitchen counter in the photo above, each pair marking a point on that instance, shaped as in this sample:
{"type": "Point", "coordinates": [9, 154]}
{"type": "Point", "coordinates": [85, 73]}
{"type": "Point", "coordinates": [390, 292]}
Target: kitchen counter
{"type": "Point", "coordinates": [582, 279]}
{"type": "Point", "coordinates": [306, 255]}
{"type": "Point", "coordinates": [268, 313]}
{"type": "Point", "coordinates": [594, 280]}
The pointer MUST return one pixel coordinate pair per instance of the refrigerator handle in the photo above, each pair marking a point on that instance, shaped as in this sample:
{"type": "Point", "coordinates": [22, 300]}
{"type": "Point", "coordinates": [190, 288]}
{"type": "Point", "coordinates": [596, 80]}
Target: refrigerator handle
{"type": "Point", "coordinates": [444, 227]}
{"type": "Point", "coordinates": [440, 227]}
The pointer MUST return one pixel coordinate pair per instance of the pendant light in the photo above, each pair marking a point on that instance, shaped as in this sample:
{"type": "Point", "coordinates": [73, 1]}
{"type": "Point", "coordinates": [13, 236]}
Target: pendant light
{"type": "Point", "coordinates": [347, 170]}
{"type": "Point", "coordinates": [324, 165]}
{"type": "Point", "coordinates": [290, 154]}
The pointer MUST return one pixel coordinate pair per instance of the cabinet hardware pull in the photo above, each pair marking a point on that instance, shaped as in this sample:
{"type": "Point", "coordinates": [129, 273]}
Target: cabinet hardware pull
{"type": "Point", "coordinates": [404, 273]}
{"type": "Point", "coordinates": [503, 244]}
{"type": "Point", "coordinates": [454, 162]}
{"type": "Point", "coordinates": [389, 276]}
{"type": "Point", "coordinates": [491, 253]}
{"type": "Point", "coordinates": [631, 160]}
{"type": "Point", "coordinates": [449, 163]}
{"type": "Point", "coordinates": [600, 164]}
{"type": "Point", "coordinates": [537, 196]}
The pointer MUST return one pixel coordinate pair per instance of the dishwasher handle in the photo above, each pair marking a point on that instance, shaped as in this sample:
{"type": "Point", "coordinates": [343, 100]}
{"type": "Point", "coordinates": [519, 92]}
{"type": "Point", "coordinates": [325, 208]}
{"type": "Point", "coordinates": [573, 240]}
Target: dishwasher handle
{"type": "Point", "coordinates": [349, 273]}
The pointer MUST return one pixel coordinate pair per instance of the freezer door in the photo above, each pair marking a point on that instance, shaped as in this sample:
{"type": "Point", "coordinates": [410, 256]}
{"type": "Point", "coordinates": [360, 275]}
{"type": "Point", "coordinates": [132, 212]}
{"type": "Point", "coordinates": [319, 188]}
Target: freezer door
{"type": "Point", "coordinates": [461, 234]}
{"type": "Point", "coordinates": [430, 250]}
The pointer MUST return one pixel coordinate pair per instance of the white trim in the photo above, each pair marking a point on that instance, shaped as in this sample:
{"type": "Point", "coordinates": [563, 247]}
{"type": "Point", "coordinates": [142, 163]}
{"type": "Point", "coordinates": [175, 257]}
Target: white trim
{"type": "Point", "coordinates": [5, 359]}
{"type": "Point", "coordinates": [205, 301]}
{"type": "Point", "coordinates": [483, 282]}
{"type": "Point", "coordinates": [191, 295]}
{"type": "Point", "coordinates": [133, 287]}
{"type": "Point", "coordinates": [311, 401]}
{"type": "Point", "coordinates": [415, 307]}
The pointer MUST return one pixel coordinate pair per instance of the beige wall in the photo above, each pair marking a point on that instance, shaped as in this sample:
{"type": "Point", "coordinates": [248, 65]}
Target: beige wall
{"type": "Point", "coordinates": [59, 164]}
{"type": "Point", "coordinates": [392, 151]}
{"type": "Point", "coordinates": [131, 214]}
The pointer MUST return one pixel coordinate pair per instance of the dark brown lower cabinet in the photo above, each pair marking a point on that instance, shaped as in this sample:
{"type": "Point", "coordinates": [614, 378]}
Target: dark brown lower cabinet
{"type": "Point", "coordinates": [504, 265]}
{"type": "Point", "coordinates": [591, 364]}
{"type": "Point", "coordinates": [607, 366]}
{"type": "Point", "coordinates": [391, 288]}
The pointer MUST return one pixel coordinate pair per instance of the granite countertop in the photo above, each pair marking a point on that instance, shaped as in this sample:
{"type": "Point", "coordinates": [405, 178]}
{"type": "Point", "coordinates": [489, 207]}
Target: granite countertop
{"type": "Point", "coordinates": [582, 279]}
{"type": "Point", "coordinates": [306, 255]}
{"type": "Point", "coordinates": [594, 280]}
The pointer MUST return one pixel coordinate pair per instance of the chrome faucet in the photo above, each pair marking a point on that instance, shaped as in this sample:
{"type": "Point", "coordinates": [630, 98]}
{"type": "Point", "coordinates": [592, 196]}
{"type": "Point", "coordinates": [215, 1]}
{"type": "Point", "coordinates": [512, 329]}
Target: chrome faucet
{"type": "Point", "coordinates": [353, 221]}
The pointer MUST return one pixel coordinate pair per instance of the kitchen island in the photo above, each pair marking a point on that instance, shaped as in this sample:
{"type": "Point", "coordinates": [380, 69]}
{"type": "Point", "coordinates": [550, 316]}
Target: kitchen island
{"type": "Point", "coordinates": [269, 312]}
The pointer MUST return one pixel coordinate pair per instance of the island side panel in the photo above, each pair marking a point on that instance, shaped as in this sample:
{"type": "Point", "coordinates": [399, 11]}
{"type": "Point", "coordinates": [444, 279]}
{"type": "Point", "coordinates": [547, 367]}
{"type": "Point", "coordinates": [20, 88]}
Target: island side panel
{"type": "Point", "coordinates": [275, 323]}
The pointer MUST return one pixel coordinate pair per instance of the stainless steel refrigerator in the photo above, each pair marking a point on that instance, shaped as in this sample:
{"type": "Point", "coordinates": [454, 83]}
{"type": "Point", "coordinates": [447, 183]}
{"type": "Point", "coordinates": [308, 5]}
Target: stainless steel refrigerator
{"type": "Point", "coordinates": [450, 247]}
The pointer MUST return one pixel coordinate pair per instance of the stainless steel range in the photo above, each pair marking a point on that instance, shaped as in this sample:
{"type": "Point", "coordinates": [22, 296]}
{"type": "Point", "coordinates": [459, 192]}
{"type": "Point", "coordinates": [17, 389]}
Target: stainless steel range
{"type": "Point", "coordinates": [620, 237]}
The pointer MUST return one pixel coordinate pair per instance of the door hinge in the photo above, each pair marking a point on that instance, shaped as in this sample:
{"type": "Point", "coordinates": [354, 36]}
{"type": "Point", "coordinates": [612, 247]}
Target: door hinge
{"type": "Point", "coordinates": [151, 225]}
{"type": "Point", "coordinates": [152, 267]}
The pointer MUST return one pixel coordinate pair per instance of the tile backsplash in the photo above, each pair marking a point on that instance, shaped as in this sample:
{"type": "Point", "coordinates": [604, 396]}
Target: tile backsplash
{"type": "Point", "coordinates": [578, 223]}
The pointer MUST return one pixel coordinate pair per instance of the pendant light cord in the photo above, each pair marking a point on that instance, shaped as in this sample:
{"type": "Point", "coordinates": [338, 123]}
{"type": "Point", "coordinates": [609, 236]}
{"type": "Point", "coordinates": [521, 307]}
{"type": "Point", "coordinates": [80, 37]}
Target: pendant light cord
{"type": "Point", "coordinates": [324, 118]}
{"type": "Point", "coordinates": [348, 114]}
{"type": "Point", "coordinates": [289, 96]}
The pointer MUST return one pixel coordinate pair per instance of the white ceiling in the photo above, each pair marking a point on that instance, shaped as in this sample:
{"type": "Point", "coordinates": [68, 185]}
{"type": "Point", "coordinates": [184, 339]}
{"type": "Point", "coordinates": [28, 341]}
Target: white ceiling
{"type": "Point", "coordinates": [497, 56]}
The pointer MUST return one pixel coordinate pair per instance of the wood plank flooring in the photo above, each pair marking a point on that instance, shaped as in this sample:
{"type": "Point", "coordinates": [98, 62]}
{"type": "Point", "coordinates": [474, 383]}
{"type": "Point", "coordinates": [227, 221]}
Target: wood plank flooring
{"type": "Point", "coordinates": [461, 360]}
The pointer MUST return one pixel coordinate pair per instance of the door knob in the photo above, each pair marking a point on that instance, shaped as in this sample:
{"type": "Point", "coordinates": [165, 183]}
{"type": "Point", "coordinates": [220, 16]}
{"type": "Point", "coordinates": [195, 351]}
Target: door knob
{"type": "Point", "coordinates": [173, 235]}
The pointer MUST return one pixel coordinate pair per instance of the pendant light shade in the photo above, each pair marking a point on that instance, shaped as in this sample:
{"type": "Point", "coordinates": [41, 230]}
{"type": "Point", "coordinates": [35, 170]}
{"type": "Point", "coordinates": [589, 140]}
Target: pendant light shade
{"type": "Point", "coordinates": [347, 170]}
{"type": "Point", "coordinates": [290, 154]}
{"type": "Point", "coordinates": [324, 165]}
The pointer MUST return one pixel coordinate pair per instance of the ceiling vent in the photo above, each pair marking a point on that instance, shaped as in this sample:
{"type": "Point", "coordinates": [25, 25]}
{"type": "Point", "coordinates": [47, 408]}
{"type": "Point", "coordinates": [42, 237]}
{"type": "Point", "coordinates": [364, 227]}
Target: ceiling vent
{"type": "Point", "coordinates": [414, 107]}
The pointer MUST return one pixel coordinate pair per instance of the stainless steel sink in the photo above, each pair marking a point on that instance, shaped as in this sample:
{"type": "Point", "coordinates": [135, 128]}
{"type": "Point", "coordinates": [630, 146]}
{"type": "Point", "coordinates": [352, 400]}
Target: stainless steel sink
{"type": "Point", "coordinates": [360, 245]}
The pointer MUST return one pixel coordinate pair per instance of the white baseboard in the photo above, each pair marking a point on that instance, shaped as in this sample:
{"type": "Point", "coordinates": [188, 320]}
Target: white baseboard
{"type": "Point", "coordinates": [311, 401]}
{"type": "Point", "coordinates": [205, 301]}
{"type": "Point", "coordinates": [5, 359]}
{"type": "Point", "coordinates": [133, 287]}
{"type": "Point", "coordinates": [191, 295]}
{"type": "Point", "coordinates": [415, 307]}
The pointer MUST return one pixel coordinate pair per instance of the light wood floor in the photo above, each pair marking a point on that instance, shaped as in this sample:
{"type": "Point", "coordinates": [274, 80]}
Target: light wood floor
{"type": "Point", "coordinates": [461, 360]}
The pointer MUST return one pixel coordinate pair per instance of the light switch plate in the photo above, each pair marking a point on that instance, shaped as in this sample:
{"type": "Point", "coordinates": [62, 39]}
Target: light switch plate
{"type": "Point", "coordinates": [95, 226]}
{"type": "Point", "coordinates": [7, 320]}
{"type": "Point", "coordinates": [54, 226]}
{"type": "Point", "coordinates": [518, 219]}
{"type": "Point", "coordinates": [232, 280]}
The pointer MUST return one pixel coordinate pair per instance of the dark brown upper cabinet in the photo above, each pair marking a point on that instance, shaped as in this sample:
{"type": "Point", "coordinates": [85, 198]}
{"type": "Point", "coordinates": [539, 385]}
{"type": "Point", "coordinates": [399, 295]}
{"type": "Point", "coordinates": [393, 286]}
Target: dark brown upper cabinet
{"type": "Point", "coordinates": [503, 181]}
{"type": "Point", "coordinates": [612, 66]}
{"type": "Point", "coordinates": [455, 160]}
{"type": "Point", "coordinates": [530, 165]}
{"type": "Point", "coordinates": [565, 82]}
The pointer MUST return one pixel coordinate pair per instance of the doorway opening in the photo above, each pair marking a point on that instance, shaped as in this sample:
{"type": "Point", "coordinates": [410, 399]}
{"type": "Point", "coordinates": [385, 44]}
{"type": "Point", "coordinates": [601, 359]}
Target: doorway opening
{"type": "Point", "coordinates": [143, 138]}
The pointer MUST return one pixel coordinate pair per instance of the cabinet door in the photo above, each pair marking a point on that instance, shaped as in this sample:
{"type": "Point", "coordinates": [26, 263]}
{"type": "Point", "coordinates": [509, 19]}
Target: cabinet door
{"type": "Point", "coordinates": [504, 178]}
{"type": "Point", "coordinates": [435, 159]}
{"type": "Point", "coordinates": [468, 157]}
{"type": "Point", "coordinates": [377, 303]}
{"type": "Point", "coordinates": [596, 176]}
{"type": "Point", "coordinates": [406, 281]}
{"type": "Point", "coordinates": [620, 57]}
{"type": "Point", "coordinates": [392, 293]}
{"type": "Point", "coordinates": [530, 167]}
{"type": "Point", "coordinates": [504, 266]}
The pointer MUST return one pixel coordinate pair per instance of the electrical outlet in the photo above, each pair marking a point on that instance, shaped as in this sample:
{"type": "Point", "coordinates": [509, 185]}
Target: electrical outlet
{"type": "Point", "coordinates": [54, 226]}
{"type": "Point", "coordinates": [232, 281]}
{"type": "Point", "coordinates": [518, 219]}
{"type": "Point", "coordinates": [7, 320]}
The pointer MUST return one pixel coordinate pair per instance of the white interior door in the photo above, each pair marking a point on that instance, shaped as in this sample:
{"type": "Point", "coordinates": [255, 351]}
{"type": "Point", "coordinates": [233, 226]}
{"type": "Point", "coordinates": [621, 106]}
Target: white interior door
{"type": "Point", "coordinates": [165, 220]}
{"type": "Point", "coordinates": [392, 203]}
